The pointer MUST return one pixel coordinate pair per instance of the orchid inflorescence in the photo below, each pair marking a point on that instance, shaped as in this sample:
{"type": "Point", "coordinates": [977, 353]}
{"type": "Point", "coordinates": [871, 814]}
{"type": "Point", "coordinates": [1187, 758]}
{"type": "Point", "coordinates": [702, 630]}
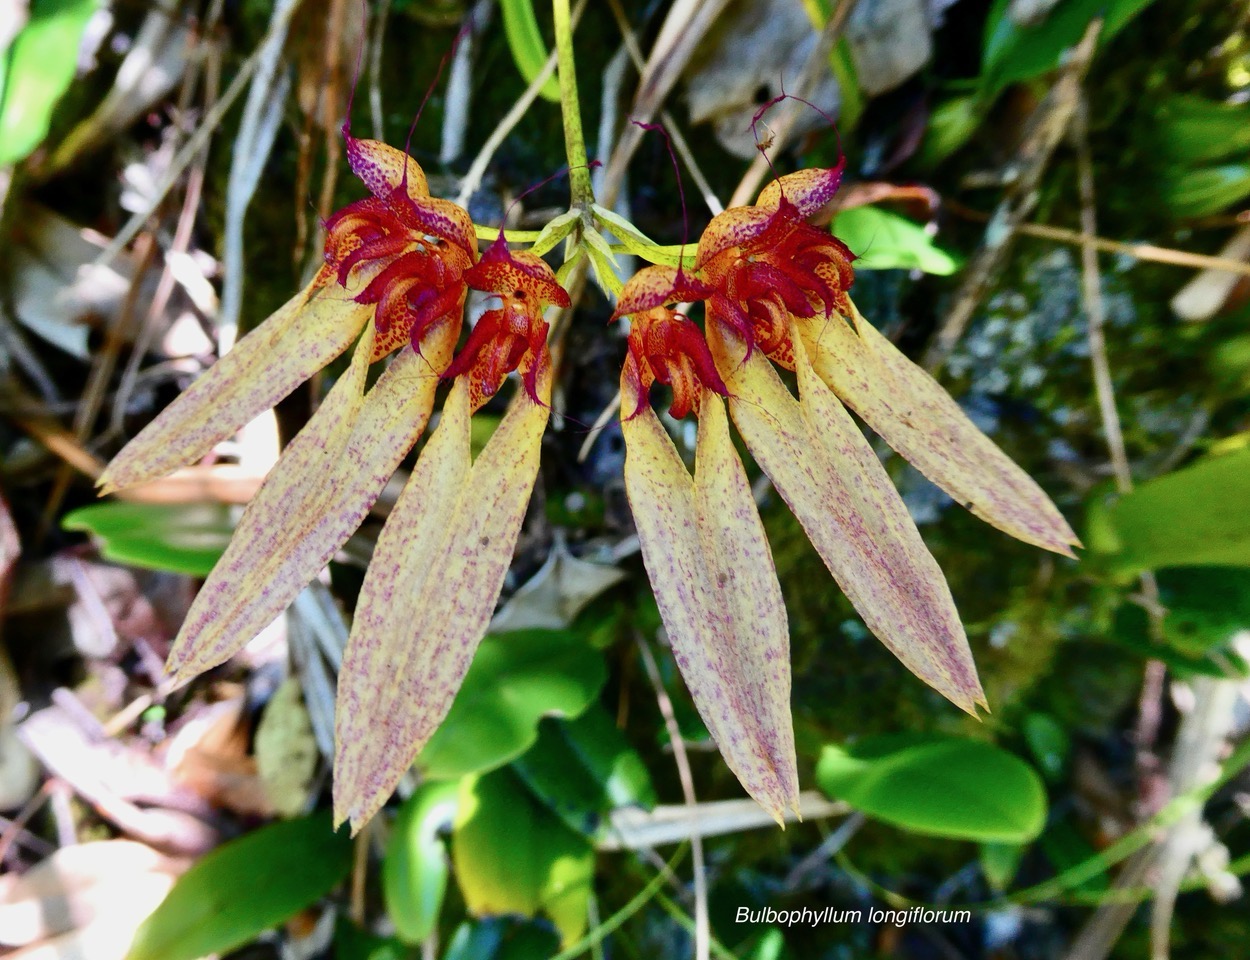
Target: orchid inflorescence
{"type": "Point", "coordinates": [398, 266]}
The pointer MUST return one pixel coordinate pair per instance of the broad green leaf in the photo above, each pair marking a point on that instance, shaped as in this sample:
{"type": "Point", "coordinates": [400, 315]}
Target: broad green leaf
{"type": "Point", "coordinates": [584, 768]}
{"type": "Point", "coordinates": [1197, 192]}
{"type": "Point", "coordinates": [526, 43]}
{"type": "Point", "coordinates": [516, 679]}
{"type": "Point", "coordinates": [513, 855]}
{"type": "Point", "coordinates": [1015, 52]}
{"type": "Point", "coordinates": [1206, 606]}
{"type": "Point", "coordinates": [941, 786]}
{"type": "Point", "coordinates": [36, 70]}
{"type": "Point", "coordinates": [886, 241]}
{"type": "Point", "coordinates": [414, 873]}
{"type": "Point", "coordinates": [1182, 518]}
{"type": "Point", "coordinates": [180, 538]}
{"type": "Point", "coordinates": [1194, 129]}
{"type": "Point", "coordinates": [243, 888]}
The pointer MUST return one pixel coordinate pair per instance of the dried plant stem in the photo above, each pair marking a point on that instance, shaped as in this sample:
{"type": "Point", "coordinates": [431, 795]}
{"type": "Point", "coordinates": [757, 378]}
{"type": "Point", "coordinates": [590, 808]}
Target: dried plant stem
{"type": "Point", "coordinates": [477, 169]}
{"type": "Point", "coordinates": [702, 934]}
{"type": "Point", "coordinates": [783, 127]}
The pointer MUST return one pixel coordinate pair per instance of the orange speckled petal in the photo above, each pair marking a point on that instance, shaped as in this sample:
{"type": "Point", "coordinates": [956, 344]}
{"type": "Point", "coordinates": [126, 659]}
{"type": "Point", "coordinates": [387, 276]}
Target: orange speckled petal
{"type": "Point", "coordinates": [428, 596]}
{"type": "Point", "coordinates": [306, 333]}
{"type": "Point", "coordinates": [313, 500]}
{"type": "Point", "coordinates": [919, 419]}
{"type": "Point", "coordinates": [732, 228]}
{"type": "Point", "coordinates": [716, 587]}
{"type": "Point", "coordinates": [832, 480]}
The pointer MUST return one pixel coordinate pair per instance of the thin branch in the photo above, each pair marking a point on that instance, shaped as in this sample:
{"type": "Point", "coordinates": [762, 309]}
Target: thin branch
{"type": "Point", "coordinates": [702, 931]}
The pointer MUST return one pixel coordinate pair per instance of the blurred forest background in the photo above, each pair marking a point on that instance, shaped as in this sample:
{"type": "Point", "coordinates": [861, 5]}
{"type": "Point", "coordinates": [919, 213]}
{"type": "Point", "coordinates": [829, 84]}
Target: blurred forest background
{"type": "Point", "coordinates": [1050, 202]}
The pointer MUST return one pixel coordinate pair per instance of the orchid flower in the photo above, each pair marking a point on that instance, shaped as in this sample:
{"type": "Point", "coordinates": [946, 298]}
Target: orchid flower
{"type": "Point", "coordinates": [776, 293]}
{"type": "Point", "coordinates": [398, 266]}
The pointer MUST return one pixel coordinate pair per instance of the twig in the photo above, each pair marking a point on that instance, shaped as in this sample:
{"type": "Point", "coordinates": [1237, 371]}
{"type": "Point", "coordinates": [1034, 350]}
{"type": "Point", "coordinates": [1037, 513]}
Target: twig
{"type": "Point", "coordinates": [191, 149]}
{"type": "Point", "coordinates": [473, 177]}
{"type": "Point", "coordinates": [375, 69]}
{"type": "Point", "coordinates": [702, 930]}
{"type": "Point", "coordinates": [680, 144]}
{"type": "Point", "coordinates": [1046, 128]}
{"type": "Point", "coordinates": [783, 127]}
{"type": "Point", "coordinates": [1138, 251]}
{"type": "Point", "coordinates": [459, 97]}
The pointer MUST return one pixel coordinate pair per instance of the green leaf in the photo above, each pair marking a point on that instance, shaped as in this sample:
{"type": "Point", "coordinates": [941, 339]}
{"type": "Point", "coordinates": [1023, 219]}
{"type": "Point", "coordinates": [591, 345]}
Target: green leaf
{"type": "Point", "coordinates": [584, 768]}
{"type": "Point", "coordinates": [352, 943]}
{"type": "Point", "coordinates": [951, 125]}
{"type": "Point", "coordinates": [1197, 192]}
{"type": "Point", "coordinates": [1182, 519]}
{"type": "Point", "coordinates": [941, 786]}
{"type": "Point", "coordinates": [1048, 742]}
{"type": "Point", "coordinates": [886, 241]}
{"type": "Point", "coordinates": [516, 679]}
{"type": "Point", "coordinates": [36, 70]}
{"type": "Point", "coordinates": [1193, 130]}
{"type": "Point", "coordinates": [414, 873]}
{"type": "Point", "coordinates": [526, 43]}
{"type": "Point", "coordinates": [1014, 52]}
{"type": "Point", "coordinates": [999, 863]}
{"type": "Point", "coordinates": [180, 538]}
{"type": "Point", "coordinates": [502, 939]}
{"type": "Point", "coordinates": [512, 855]}
{"type": "Point", "coordinates": [245, 887]}
{"type": "Point", "coordinates": [1207, 608]}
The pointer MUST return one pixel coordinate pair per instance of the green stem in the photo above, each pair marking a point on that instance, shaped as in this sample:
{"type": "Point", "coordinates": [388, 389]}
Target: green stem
{"type": "Point", "coordinates": [580, 187]}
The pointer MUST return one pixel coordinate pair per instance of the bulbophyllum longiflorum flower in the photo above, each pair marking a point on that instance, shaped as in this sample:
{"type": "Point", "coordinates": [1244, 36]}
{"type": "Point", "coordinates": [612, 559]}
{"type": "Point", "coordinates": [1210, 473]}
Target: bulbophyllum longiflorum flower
{"type": "Point", "coordinates": [775, 290]}
{"type": "Point", "coordinates": [398, 266]}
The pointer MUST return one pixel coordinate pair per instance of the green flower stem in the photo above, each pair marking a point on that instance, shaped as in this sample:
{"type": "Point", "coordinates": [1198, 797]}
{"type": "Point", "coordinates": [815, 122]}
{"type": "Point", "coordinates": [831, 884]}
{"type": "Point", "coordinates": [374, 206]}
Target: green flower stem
{"type": "Point", "coordinates": [582, 192]}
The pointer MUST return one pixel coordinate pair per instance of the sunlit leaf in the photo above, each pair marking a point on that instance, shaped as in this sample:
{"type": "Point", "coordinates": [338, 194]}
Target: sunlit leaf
{"type": "Point", "coordinates": [179, 538]}
{"type": "Point", "coordinates": [1194, 129]}
{"type": "Point", "coordinates": [885, 241]}
{"type": "Point", "coordinates": [414, 872]}
{"type": "Point", "coordinates": [243, 888]}
{"type": "Point", "coordinates": [36, 70]}
{"type": "Point", "coordinates": [526, 43]}
{"type": "Point", "coordinates": [1197, 192]}
{"type": "Point", "coordinates": [1014, 52]}
{"type": "Point", "coordinates": [942, 786]}
{"type": "Point", "coordinates": [1182, 518]}
{"type": "Point", "coordinates": [584, 768]}
{"type": "Point", "coordinates": [515, 680]}
{"type": "Point", "coordinates": [548, 867]}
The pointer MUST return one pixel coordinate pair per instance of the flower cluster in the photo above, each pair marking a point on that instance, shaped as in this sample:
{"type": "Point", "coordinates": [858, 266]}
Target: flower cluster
{"type": "Point", "coordinates": [397, 269]}
{"type": "Point", "coordinates": [775, 290]}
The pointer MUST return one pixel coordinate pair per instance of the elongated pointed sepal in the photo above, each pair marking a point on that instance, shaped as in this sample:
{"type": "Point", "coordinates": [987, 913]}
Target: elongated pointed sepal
{"type": "Point", "coordinates": [716, 587]}
{"type": "Point", "coordinates": [826, 471]}
{"type": "Point", "coordinates": [306, 333]}
{"type": "Point", "coordinates": [312, 501]}
{"type": "Point", "coordinates": [915, 416]}
{"type": "Point", "coordinates": [428, 596]}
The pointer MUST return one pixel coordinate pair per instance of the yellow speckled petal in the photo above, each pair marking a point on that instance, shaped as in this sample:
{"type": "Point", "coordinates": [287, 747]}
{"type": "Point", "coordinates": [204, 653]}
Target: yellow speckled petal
{"type": "Point", "coordinates": [826, 471]}
{"type": "Point", "coordinates": [306, 333]}
{"type": "Point", "coordinates": [716, 587]}
{"type": "Point", "coordinates": [312, 501]}
{"type": "Point", "coordinates": [919, 419]}
{"type": "Point", "coordinates": [382, 168]}
{"type": "Point", "coordinates": [428, 596]}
